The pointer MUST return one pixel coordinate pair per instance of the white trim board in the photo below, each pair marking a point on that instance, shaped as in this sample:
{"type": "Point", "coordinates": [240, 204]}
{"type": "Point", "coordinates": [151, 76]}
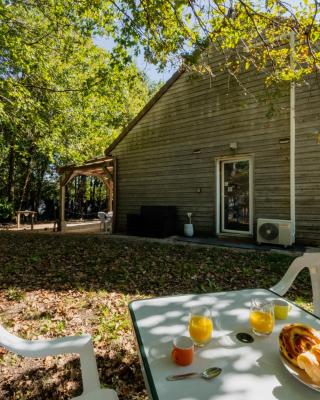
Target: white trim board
{"type": "Point", "coordinates": [218, 162]}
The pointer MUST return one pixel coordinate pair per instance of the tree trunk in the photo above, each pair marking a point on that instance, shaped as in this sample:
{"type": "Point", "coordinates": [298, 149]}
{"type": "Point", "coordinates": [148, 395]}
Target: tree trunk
{"type": "Point", "coordinates": [91, 189]}
{"type": "Point", "coordinates": [82, 195]}
{"type": "Point", "coordinates": [25, 187]}
{"type": "Point", "coordinates": [68, 201]}
{"type": "Point", "coordinates": [41, 173]}
{"type": "Point", "coordinates": [94, 191]}
{"type": "Point", "coordinates": [27, 178]}
{"type": "Point", "coordinates": [11, 161]}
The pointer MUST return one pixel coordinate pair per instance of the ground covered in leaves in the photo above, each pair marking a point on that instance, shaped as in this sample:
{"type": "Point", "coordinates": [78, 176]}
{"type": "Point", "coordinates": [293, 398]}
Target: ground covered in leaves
{"type": "Point", "coordinates": [55, 285]}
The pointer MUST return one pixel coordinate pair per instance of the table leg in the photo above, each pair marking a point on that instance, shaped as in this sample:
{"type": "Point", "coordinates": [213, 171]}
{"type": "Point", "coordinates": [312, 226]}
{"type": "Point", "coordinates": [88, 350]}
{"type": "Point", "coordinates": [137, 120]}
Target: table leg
{"type": "Point", "coordinates": [32, 221]}
{"type": "Point", "coordinates": [18, 220]}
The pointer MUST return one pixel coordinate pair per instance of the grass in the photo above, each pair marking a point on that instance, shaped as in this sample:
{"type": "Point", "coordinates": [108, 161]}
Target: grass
{"type": "Point", "coordinates": [14, 294]}
{"type": "Point", "coordinates": [55, 285]}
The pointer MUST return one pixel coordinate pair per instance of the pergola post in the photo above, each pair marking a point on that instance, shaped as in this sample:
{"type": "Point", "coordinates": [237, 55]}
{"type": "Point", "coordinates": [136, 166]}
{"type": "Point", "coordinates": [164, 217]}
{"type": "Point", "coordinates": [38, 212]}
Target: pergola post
{"type": "Point", "coordinates": [109, 186]}
{"type": "Point", "coordinates": [62, 197]}
{"type": "Point", "coordinates": [110, 200]}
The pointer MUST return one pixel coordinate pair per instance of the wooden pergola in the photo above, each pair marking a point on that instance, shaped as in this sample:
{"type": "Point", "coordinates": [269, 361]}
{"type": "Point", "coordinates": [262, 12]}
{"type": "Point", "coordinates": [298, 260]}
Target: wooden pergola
{"type": "Point", "coordinates": [101, 167]}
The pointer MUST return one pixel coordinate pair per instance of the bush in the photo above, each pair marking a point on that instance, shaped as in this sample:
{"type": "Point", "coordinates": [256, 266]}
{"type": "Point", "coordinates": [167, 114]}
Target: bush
{"type": "Point", "coordinates": [6, 211]}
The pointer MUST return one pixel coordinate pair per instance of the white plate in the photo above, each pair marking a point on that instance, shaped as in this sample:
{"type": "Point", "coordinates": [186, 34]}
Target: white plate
{"type": "Point", "coordinates": [299, 374]}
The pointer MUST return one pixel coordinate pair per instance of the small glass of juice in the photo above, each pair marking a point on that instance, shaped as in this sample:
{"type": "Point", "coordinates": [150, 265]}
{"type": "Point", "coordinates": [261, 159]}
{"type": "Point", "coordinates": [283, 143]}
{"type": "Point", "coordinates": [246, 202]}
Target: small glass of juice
{"type": "Point", "coordinates": [261, 317]}
{"type": "Point", "coordinates": [200, 325]}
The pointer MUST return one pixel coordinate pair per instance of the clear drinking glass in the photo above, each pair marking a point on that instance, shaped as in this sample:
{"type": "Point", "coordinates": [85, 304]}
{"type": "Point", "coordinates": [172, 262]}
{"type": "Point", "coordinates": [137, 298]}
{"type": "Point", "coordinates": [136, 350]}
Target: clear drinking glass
{"type": "Point", "coordinates": [200, 325]}
{"type": "Point", "coordinates": [261, 317]}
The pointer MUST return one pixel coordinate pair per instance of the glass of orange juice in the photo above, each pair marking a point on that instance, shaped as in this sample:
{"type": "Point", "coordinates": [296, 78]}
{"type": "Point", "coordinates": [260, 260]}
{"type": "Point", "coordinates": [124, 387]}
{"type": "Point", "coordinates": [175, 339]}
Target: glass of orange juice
{"type": "Point", "coordinates": [261, 317]}
{"type": "Point", "coordinates": [200, 325]}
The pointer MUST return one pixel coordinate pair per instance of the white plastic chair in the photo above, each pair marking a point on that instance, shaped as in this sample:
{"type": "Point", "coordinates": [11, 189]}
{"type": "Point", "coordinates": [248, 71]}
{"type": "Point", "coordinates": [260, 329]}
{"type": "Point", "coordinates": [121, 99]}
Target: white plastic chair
{"type": "Point", "coordinates": [81, 345]}
{"type": "Point", "coordinates": [102, 216]}
{"type": "Point", "coordinates": [308, 260]}
{"type": "Point", "coordinates": [105, 221]}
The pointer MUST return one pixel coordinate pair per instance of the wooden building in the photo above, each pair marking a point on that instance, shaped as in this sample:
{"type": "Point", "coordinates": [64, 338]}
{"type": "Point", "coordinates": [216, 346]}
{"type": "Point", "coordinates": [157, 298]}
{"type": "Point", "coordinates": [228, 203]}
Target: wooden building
{"type": "Point", "coordinates": [230, 158]}
{"type": "Point", "coordinates": [203, 145]}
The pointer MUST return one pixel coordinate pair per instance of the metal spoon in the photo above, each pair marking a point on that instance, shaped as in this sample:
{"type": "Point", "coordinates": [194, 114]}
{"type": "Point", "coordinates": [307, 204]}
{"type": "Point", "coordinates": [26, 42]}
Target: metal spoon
{"type": "Point", "coordinates": [208, 373]}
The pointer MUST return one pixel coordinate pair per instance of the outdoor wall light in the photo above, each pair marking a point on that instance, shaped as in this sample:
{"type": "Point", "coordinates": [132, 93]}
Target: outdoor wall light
{"type": "Point", "coordinates": [284, 140]}
{"type": "Point", "coordinates": [233, 145]}
{"type": "Point", "coordinates": [198, 190]}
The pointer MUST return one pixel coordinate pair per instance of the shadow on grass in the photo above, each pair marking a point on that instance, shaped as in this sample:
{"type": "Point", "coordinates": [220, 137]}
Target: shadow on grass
{"type": "Point", "coordinates": [63, 262]}
{"type": "Point", "coordinates": [57, 285]}
{"type": "Point", "coordinates": [62, 380]}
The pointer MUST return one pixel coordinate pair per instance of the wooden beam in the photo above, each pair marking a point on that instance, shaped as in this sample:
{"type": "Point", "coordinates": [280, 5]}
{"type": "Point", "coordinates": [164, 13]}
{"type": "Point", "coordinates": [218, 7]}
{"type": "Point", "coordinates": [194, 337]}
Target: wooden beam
{"type": "Point", "coordinates": [85, 167]}
{"type": "Point", "coordinates": [66, 178]}
{"type": "Point", "coordinates": [107, 183]}
{"type": "Point", "coordinates": [108, 173]}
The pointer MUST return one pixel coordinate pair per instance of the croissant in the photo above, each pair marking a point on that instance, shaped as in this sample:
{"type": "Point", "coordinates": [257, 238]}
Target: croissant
{"type": "Point", "coordinates": [295, 339]}
{"type": "Point", "coordinates": [310, 362]}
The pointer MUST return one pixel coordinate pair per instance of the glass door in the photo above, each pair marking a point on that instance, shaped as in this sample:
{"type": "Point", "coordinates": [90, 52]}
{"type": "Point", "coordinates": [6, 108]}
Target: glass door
{"type": "Point", "coordinates": [236, 196]}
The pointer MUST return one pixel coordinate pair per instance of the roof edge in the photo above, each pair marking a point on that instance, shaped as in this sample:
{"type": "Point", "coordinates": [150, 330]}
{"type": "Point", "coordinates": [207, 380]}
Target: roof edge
{"type": "Point", "coordinates": [85, 165]}
{"type": "Point", "coordinates": [144, 110]}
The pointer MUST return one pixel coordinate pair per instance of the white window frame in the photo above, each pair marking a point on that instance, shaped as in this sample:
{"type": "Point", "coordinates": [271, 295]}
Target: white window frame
{"type": "Point", "coordinates": [220, 192]}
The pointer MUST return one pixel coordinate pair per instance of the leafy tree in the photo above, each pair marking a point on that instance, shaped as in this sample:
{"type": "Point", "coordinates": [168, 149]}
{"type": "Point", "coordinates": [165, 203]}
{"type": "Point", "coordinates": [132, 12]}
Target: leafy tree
{"type": "Point", "coordinates": [62, 99]}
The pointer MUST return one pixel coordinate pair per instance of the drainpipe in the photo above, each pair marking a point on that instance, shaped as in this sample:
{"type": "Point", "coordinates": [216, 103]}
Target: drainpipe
{"type": "Point", "coordinates": [292, 142]}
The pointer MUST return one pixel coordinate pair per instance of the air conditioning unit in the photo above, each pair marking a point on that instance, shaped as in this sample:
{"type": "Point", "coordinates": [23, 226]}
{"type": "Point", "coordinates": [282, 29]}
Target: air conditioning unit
{"type": "Point", "coordinates": [274, 231]}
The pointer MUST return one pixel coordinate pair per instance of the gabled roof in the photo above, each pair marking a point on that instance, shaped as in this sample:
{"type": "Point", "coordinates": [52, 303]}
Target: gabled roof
{"type": "Point", "coordinates": [144, 111]}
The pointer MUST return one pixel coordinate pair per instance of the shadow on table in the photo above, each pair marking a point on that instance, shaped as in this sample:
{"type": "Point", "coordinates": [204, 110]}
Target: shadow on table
{"type": "Point", "coordinates": [243, 365]}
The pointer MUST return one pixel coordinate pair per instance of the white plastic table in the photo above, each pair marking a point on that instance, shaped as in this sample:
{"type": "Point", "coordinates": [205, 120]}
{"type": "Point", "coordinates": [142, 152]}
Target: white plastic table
{"type": "Point", "coordinates": [26, 213]}
{"type": "Point", "coordinates": [250, 371]}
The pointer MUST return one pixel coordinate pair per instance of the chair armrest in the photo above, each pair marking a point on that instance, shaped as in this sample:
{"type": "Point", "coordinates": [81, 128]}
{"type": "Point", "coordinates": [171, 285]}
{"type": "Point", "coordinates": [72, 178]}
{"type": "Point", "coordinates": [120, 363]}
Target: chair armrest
{"type": "Point", "coordinates": [81, 345]}
{"type": "Point", "coordinates": [43, 348]}
{"type": "Point", "coordinates": [287, 280]}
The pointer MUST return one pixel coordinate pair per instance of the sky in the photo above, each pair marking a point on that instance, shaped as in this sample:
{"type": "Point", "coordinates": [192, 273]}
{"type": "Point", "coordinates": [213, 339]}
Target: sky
{"type": "Point", "coordinates": [149, 69]}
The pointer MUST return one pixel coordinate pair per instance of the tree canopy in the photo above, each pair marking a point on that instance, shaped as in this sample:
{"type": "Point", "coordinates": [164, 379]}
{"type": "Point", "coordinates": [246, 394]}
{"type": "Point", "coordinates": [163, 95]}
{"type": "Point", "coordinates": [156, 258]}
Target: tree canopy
{"type": "Point", "coordinates": [248, 33]}
{"type": "Point", "coordinates": [63, 99]}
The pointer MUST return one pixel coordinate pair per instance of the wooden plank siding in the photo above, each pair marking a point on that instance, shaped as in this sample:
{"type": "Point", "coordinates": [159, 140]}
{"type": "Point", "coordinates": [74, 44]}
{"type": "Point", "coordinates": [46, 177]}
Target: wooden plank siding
{"type": "Point", "coordinates": [308, 162]}
{"type": "Point", "coordinates": [157, 163]}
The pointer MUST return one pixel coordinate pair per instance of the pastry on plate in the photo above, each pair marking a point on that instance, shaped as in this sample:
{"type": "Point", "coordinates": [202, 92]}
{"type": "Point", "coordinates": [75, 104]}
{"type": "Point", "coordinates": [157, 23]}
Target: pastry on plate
{"type": "Point", "coordinates": [310, 362]}
{"type": "Point", "coordinates": [295, 339]}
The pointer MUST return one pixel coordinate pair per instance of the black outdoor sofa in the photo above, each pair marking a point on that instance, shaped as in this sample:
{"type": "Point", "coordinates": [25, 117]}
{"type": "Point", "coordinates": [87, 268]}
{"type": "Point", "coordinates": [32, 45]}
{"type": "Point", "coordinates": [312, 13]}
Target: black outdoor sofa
{"type": "Point", "coordinates": [153, 221]}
